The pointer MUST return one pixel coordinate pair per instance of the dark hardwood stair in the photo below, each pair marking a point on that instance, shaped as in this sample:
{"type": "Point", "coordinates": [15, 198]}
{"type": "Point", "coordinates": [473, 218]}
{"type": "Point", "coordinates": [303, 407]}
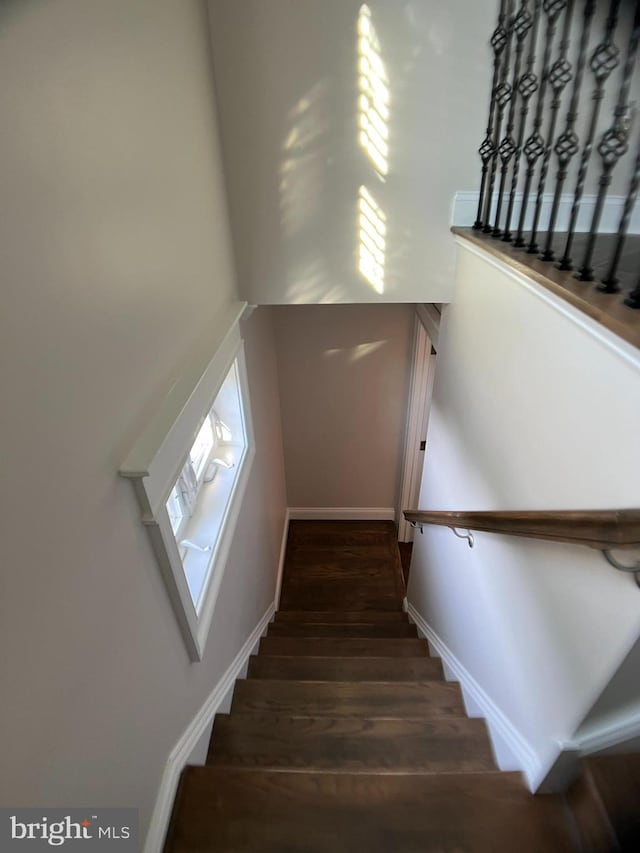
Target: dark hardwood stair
{"type": "Point", "coordinates": [345, 737]}
{"type": "Point", "coordinates": [341, 616]}
{"type": "Point", "coordinates": [351, 744]}
{"type": "Point", "coordinates": [226, 809]}
{"type": "Point", "coordinates": [344, 647]}
{"type": "Point", "coordinates": [370, 630]}
{"type": "Point", "coordinates": [306, 667]}
{"type": "Point", "coordinates": [415, 699]}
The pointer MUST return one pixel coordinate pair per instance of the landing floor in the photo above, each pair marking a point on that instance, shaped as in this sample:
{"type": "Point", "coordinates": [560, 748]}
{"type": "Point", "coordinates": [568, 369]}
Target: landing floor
{"type": "Point", "coordinates": [342, 565]}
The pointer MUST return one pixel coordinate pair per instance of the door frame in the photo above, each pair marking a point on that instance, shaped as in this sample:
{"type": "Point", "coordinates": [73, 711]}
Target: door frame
{"type": "Point", "coordinates": [418, 406]}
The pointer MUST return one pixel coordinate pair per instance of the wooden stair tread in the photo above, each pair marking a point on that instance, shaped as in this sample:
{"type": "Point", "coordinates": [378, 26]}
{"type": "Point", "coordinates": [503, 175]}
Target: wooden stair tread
{"type": "Point", "coordinates": [351, 744]}
{"type": "Point", "coordinates": [344, 646]}
{"type": "Point", "coordinates": [418, 699]}
{"type": "Point", "coordinates": [371, 630]}
{"type": "Point", "coordinates": [342, 616]}
{"type": "Point", "coordinates": [224, 809]}
{"type": "Point", "coordinates": [344, 737]}
{"type": "Point", "coordinates": [336, 668]}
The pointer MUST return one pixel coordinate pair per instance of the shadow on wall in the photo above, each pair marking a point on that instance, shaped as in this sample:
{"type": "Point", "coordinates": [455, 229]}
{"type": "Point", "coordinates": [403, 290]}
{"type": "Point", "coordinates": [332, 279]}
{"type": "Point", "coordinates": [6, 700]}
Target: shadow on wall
{"type": "Point", "coordinates": [342, 123]}
{"type": "Point", "coordinates": [337, 163]}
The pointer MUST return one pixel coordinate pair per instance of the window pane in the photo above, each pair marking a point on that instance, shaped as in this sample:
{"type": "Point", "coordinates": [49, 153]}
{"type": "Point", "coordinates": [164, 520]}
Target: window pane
{"type": "Point", "coordinates": [198, 502]}
{"type": "Point", "coordinates": [202, 447]}
{"type": "Point", "coordinates": [174, 509]}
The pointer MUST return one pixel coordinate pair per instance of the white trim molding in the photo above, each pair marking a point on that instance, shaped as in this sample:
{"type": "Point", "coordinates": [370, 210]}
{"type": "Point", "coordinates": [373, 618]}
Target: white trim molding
{"type": "Point", "coordinates": [512, 750]}
{"type": "Point", "coordinates": [283, 552]}
{"type": "Point", "coordinates": [465, 208]}
{"type": "Point", "coordinates": [342, 513]}
{"type": "Point", "coordinates": [613, 731]}
{"type": "Point", "coordinates": [154, 467]}
{"type": "Point", "coordinates": [430, 318]}
{"type": "Point", "coordinates": [564, 764]}
{"type": "Point", "coordinates": [179, 755]}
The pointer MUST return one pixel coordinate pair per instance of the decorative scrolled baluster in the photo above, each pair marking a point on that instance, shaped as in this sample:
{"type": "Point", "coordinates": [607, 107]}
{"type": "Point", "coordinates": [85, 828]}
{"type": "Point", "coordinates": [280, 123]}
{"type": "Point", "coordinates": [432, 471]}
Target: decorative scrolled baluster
{"type": "Point", "coordinates": [613, 145]}
{"type": "Point", "coordinates": [507, 148]}
{"type": "Point", "coordinates": [487, 147]}
{"type": "Point", "coordinates": [503, 96]}
{"type": "Point", "coordinates": [610, 281]}
{"type": "Point", "coordinates": [527, 86]}
{"type": "Point", "coordinates": [559, 76]}
{"type": "Point", "coordinates": [567, 144]}
{"type": "Point", "coordinates": [633, 299]}
{"type": "Point", "coordinates": [534, 147]}
{"type": "Point", "coordinates": [604, 60]}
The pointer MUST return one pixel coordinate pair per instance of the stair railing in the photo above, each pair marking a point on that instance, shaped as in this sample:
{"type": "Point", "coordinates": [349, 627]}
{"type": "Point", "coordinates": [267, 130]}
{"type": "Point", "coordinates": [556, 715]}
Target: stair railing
{"type": "Point", "coordinates": [553, 62]}
{"type": "Point", "coordinates": [604, 530]}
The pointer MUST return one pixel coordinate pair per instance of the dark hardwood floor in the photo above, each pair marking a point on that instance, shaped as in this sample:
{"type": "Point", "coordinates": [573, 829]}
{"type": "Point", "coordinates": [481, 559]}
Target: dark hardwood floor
{"type": "Point", "coordinates": [341, 565]}
{"type": "Point", "coordinates": [344, 735]}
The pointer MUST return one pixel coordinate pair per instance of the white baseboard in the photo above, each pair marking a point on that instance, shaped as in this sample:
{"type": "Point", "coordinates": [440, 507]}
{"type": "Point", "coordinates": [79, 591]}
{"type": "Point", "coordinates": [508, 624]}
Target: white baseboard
{"type": "Point", "coordinates": [283, 550]}
{"type": "Point", "coordinates": [342, 513]}
{"type": "Point", "coordinates": [179, 755]}
{"type": "Point", "coordinates": [612, 732]}
{"type": "Point", "coordinates": [465, 208]}
{"type": "Point", "coordinates": [511, 749]}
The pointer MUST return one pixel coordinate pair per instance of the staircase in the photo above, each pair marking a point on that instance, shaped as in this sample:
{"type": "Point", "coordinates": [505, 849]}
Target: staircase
{"type": "Point", "coordinates": [344, 735]}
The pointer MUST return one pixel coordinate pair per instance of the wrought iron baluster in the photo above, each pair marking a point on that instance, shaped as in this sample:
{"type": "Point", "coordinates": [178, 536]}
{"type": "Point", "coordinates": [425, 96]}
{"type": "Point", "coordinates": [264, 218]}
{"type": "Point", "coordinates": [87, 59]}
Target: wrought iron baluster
{"type": "Point", "coordinates": [604, 60]}
{"type": "Point", "coordinates": [613, 145]}
{"type": "Point", "coordinates": [559, 76]}
{"type": "Point", "coordinates": [534, 146]}
{"type": "Point", "coordinates": [503, 96]}
{"type": "Point", "coordinates": [610, 281]}
{"type": "Point", "coordinates": [486, 150]}
{"type": "Point", "coordinates": [567, 144]}
{"type": "Point", "coordinates": [521, 26]}
{"type": "Point", "coordinates": [527, 86]}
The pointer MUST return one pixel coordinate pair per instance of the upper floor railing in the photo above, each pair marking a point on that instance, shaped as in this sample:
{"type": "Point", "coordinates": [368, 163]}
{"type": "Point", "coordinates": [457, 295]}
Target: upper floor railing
{"type": "Point", "coordinates": [562, 102]}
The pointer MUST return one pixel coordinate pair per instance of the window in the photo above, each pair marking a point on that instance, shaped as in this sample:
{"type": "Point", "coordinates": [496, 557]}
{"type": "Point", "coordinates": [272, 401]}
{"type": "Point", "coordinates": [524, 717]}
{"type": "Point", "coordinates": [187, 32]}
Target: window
{"type": "Point", "coordinates": [198, 502]}
{"type": "Point", "coordinates": [190, 468]}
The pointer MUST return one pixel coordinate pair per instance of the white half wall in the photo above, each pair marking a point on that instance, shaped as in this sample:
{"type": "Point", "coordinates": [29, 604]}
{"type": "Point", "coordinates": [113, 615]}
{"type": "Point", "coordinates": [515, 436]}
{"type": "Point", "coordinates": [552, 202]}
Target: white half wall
{"type": "Point", "coordinates": [344, 381]}
{"type": "Point", "coordinates": [534, 407]}
{"type": "Point", "coordinates": [116, 262]}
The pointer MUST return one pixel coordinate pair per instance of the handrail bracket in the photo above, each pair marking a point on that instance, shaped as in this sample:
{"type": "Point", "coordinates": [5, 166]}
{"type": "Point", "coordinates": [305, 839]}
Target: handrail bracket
{"type": "Point", "coordinates": [633, 570]}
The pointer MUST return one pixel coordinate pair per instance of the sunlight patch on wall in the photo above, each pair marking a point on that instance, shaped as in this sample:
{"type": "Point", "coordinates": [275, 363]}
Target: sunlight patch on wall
{"type": "Point", "coordinates": [358, 351]}
{"type": "Point", "coordinates": [374, 97]}
{"type": "Point", "coordinates": [372, 240]}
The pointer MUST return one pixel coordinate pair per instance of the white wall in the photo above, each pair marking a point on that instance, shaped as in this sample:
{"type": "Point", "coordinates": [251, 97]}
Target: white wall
{"type": "Point", "coordinates": [286, 82]}
{"type": "Point", "coordinates": [116, 260]}
{"type": "Point", "coordinates": [344, 378]}
{"type": "Point", "coordinates": [535, 407]}
{"type": "Point", "coordinates": [619, 702]}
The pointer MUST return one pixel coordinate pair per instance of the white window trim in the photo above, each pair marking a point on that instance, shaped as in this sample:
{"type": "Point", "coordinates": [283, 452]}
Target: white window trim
{"type": "Point", "coordinates": [157, 459]}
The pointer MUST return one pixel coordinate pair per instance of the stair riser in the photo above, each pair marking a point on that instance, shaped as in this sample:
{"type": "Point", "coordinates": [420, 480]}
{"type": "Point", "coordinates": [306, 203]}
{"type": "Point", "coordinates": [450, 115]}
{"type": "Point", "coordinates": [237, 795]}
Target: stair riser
{"type": "Point", "coordinates": [417, 700]}
{"type": "Point", "coordinates": [326, 616]}
{"type": "Point", "coordinates": [345, 669]}
{"type": "Point", "coordinates": [344, 647]}
{"type": "Point", "coordinates": [350, 745]}
{"type": "Point", "coordinates": [371, 631]}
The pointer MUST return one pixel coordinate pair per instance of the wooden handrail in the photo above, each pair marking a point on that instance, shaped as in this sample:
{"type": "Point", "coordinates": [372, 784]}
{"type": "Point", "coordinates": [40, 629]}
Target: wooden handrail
{"type": "Point", "coordinates": [601, 529]}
